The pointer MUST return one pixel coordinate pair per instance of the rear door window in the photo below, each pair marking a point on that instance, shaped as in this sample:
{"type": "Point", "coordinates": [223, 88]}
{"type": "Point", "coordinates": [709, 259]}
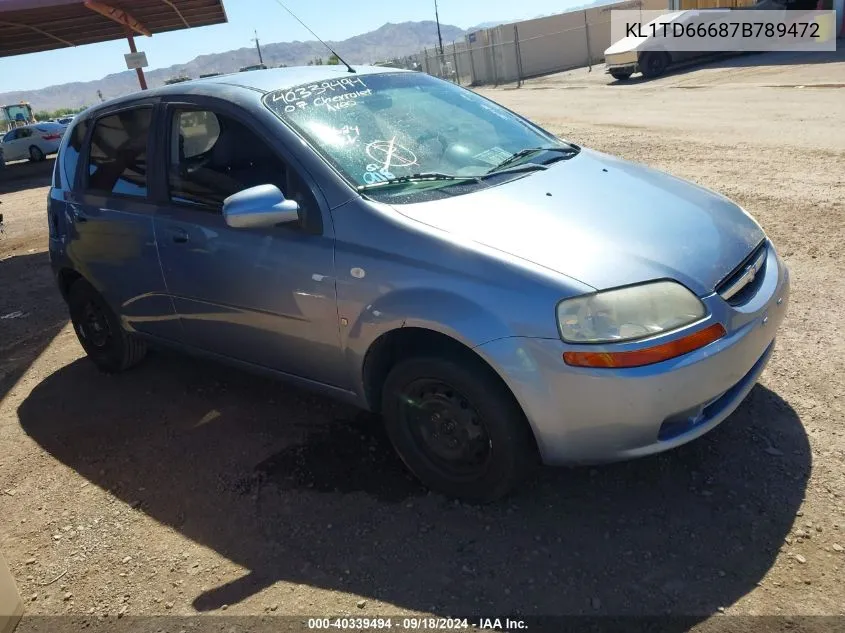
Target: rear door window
{"type": "Point", "coordinates": [117, 162]}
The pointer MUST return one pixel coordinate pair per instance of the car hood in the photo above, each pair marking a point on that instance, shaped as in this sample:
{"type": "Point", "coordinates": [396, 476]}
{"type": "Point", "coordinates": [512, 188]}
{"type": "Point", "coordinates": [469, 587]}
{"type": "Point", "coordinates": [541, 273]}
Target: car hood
{"type": "Point", "coordinates": [605, 222]}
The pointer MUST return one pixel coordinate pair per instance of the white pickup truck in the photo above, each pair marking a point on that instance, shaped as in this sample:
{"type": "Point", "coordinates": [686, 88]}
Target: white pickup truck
{"type": "Point", "coordinates": [647, 52]}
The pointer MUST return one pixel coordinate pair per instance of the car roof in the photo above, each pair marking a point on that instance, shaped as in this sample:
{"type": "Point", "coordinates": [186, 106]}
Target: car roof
{"type": "Point", "coordinates": [36, 124]}
{"type": "Point", "coordinates": [281, 78]}
{"type": "Point", "coordinates": [262, 81]}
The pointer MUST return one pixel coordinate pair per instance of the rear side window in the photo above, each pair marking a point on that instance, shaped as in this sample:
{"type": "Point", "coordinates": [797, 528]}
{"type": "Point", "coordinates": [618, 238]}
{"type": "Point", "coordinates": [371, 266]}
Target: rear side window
{"type": "Point", "coordinates": [70, 156]}
{"type": "Point", "coordinates": [117, 163]}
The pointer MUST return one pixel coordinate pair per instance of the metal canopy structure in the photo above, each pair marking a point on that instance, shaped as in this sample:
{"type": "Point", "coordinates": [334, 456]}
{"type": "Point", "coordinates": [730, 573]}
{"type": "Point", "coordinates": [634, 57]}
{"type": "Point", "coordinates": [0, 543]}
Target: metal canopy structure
{"type": "Point", "coordinates": [30, 26]}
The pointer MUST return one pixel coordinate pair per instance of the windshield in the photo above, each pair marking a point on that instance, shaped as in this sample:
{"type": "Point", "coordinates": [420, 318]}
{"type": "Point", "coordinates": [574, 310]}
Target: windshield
{"type": "Point", "coordinates": [377, 128]}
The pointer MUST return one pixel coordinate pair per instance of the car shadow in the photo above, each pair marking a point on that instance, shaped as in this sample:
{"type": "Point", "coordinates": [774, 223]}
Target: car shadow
{"type": "Point", "coordinates": [22, 175]}
{"type": "Point", "coordinates": [32, 313]}
{"type": "Point", "coordinates": [294, 487]}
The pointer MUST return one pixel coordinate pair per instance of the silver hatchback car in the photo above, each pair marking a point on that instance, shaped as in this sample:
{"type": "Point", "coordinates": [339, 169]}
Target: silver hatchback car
{"type": "Point", "coordinates": [500, 296]}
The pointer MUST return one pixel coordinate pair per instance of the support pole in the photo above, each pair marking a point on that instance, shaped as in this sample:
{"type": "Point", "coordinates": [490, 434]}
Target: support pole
{"type": "Point", "coordinates": [130, 36]}
{"type": "Point", "coordinates": [587, 36]}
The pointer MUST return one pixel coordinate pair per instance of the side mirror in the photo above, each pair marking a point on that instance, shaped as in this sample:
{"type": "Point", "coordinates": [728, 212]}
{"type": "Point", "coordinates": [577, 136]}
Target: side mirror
{"type": "Point", "coordinates": [259, 207]}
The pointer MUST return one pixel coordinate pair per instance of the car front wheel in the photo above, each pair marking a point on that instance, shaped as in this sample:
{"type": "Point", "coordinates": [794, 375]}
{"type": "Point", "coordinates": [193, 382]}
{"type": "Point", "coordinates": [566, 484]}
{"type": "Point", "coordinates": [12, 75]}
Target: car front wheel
{"type": "Point", "coordinates": [457, 428]}
{"type": "Point", "coordinates": [620, 75]}
{"type": "Point", "coordinates": [98, 329]}
{"type": "Point", "coordinates": [654, 63]}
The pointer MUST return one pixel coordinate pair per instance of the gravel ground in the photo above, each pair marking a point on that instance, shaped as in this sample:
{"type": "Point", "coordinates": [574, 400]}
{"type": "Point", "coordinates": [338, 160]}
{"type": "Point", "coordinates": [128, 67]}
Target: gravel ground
{"type": "Point", "coordinates": [185, 487]}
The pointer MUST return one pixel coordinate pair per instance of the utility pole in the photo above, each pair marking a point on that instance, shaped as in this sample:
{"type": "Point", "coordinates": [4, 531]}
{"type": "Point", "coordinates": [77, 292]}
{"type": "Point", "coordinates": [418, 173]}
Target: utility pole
{"type": "Point", "coordinates": [258, 47]}
{"type": "Point", "coordinates": [439, 36]}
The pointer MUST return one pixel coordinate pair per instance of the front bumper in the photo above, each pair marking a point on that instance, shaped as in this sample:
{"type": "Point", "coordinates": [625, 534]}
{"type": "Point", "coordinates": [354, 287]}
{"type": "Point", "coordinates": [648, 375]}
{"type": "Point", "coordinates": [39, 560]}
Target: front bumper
{"type": "Point", "coordinates": [625, 62]}
{"type": "Point", "coordinates": [582, 415]}
{"type": "Point", "coordinates": [622, 68]}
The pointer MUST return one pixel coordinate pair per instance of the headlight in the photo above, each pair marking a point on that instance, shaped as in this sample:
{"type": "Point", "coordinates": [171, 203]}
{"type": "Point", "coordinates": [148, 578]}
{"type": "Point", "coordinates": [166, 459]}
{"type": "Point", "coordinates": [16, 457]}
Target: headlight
{"type": "Point", "coordinates": [628, 313]}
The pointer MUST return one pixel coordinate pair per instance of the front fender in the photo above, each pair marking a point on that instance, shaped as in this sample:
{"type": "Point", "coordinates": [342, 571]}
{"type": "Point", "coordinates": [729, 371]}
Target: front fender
{"type": "Point", "coordinates": [441, 311]}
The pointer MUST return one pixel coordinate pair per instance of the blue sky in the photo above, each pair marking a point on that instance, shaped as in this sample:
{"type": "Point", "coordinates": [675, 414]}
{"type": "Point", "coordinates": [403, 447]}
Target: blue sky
{"type": "Point", "coordinates": [331, 19]}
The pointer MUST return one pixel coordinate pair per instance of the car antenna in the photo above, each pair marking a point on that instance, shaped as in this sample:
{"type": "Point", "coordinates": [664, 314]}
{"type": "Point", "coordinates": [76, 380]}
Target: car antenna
{"type": "Point", "coordinates": [349, 68]}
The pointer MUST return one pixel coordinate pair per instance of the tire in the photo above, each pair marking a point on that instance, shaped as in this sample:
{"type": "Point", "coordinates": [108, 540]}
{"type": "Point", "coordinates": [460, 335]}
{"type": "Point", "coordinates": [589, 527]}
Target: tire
{"type": "Point", "coordinates": [35, 154]}
{"type": "Point", "coordinates": [98, 329]}
{"type": "Point", "coordinates": [654, 63]}
{"type": "Point", "coordinates": [464, 404]}
{"type": "Point", "coordinates": [620, 75]}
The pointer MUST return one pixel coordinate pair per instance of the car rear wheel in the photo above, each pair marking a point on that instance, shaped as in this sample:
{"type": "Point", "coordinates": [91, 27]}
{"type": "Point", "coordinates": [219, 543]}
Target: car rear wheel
{"type": "Point", "coordinates": [620, 75]}
{"type": "Point", "coordinates": [35, 154]}
{"type": "Point", "coordinates": [98, 329]}
{"type": "Point", "coordinates": [457, 428]}
{"type": "Point", "coordinates": [654, 63]}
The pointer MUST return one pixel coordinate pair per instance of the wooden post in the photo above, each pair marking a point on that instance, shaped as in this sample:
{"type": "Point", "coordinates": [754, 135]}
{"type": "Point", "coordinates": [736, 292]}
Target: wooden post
{"type": "Point", "coordinates": [140, 71]}
{"type": "Point", "coordinates": [493, 58]}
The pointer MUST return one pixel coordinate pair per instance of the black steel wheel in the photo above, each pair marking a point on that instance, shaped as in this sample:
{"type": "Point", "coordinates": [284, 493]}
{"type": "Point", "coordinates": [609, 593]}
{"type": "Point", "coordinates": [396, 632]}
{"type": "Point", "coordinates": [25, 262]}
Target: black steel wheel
{"type": "Point", "coordinates": [446, 427]}
{"type": "Point", "coordinates": [98, 329]}
{"type": "Point", "coordinates": [457, 427]}
{"type": "Point", "coordinates": [654, 63]}
{"type": "Point", "coordinates": [94, 327]}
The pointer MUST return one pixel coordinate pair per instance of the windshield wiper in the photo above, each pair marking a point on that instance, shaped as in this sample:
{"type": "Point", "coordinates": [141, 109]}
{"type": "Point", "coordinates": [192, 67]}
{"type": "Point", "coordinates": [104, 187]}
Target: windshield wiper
{"type": "Point", "coordinates": [528, 151]}
{"type": "Point", "coordinates": [420, 177]}
{"type": "Point", "coordinates": [514, 169]}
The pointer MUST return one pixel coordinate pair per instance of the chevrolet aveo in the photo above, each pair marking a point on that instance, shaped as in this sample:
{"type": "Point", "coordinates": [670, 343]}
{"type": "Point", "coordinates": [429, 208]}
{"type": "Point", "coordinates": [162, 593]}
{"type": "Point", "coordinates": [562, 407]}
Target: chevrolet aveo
{"type": "Point", "coordinates": [500, 296]}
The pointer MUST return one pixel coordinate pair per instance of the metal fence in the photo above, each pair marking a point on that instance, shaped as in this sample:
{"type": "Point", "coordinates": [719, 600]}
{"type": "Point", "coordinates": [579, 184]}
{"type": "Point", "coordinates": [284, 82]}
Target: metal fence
{"type": "Point", "coordinates": [511, 53]}
{"type": "Point", "coordinates": [510, 57]}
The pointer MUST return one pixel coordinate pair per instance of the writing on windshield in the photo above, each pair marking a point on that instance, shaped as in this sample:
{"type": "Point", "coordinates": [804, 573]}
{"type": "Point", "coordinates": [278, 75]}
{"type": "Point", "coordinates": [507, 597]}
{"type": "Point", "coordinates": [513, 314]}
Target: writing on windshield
{"type": "Point", "coordinates": [380, 127]}
{"type": "Point", "coordinates": [332, 95]}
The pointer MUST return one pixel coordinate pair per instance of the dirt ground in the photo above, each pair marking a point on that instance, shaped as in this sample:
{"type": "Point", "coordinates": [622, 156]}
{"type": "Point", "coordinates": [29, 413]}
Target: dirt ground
{"type": "Point", "coordinates": [185, 487]}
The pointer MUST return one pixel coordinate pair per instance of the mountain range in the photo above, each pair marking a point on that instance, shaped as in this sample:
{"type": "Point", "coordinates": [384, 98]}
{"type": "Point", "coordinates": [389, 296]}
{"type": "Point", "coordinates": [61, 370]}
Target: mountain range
{"type": "Point", "coordinates": [387, 42]}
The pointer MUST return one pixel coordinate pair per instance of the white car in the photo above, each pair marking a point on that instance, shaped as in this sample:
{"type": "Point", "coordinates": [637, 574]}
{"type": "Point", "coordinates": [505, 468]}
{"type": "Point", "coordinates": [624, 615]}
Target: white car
{"type": "Point", "coordinates": [34, 141]}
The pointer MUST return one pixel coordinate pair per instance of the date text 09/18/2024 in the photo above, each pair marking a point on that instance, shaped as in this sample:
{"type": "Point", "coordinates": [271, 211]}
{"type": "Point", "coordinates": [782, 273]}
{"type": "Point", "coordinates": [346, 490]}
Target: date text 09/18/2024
{"type": "Point", "coordinates": [416, 624]}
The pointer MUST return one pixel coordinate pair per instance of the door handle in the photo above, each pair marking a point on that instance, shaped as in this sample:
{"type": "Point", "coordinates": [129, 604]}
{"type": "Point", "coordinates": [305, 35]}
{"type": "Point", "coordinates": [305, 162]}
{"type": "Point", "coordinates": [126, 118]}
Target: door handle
{"type": "Point", "coordinates": [179, 236]}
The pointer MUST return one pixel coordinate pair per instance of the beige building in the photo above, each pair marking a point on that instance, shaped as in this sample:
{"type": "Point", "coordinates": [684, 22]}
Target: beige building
{"type": "Point", "coordinates": [511, 52]}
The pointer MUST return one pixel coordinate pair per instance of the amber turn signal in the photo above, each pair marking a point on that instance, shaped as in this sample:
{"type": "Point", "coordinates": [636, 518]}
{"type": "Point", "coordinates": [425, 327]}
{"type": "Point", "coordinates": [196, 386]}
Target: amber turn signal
{"type": "Point", "coordinates": [649, 355]}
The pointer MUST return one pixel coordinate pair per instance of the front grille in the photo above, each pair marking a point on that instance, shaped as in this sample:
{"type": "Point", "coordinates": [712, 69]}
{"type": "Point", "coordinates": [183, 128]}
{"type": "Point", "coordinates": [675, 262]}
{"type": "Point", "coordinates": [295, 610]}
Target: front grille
{"type": "Point", "coordinates": [745, 280]}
